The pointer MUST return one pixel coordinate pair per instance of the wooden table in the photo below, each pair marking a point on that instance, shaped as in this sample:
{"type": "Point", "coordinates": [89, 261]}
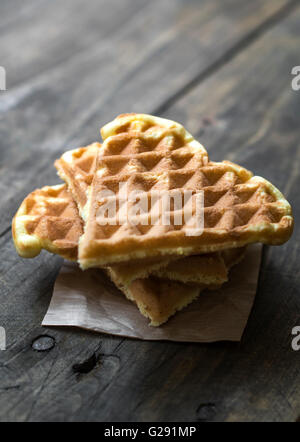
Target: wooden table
{"type": "Point", "coordinates": [223, 69]}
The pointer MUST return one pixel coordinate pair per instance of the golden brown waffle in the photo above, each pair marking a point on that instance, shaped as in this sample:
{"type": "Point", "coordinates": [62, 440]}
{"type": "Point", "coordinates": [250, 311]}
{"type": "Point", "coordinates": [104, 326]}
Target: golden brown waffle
{"type": "Point", "coordinates": [150, 153]}
{"type": "Point", "coordinates": [208, 269]}
{"type": "Point", "coordinates": [178, 284]}
{"type": "Point", "coordinates": [76, 167]}
{"type": "Point", "coordinates": [48, 219]}
{"type": "Point", "coordinates": [213, 269]}
{"type": "Point", "coordinates": [158, 299]}
{"type": "Point", "coordinates": [125, 273]}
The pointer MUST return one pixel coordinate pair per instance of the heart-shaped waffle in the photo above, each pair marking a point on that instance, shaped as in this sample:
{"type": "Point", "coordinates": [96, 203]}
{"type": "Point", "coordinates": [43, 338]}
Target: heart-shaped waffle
{"type": "Point", "coordinates": [48, 219]}
{"type": "Point", "coordinates": [150, 154]}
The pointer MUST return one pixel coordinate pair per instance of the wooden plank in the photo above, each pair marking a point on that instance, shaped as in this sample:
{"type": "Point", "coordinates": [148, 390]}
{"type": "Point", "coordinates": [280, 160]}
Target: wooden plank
{"type": "Point", "coordinates": [135, 380]}
{"type": "Point", "coordinates": [49, 33]}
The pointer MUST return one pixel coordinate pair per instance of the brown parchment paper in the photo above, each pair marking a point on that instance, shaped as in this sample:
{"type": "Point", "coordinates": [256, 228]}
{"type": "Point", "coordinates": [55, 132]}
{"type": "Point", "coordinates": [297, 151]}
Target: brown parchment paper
{"type": "Point", "coordinates": [89, 300]}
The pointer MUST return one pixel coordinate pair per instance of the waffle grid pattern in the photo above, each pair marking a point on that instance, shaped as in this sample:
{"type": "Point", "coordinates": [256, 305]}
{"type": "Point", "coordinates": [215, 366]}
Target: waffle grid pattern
{"type": "Point", "coordinates": [239, 208]}
{"type": "Point", "coordinates": [48, 219]}
{"type": "Point", "coordinates": [76, 167]}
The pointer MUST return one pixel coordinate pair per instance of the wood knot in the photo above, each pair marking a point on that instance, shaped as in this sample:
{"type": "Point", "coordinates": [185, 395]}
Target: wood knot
{"type": "Point", "coordinates": [43, 343]}
{"type": "Point", "coordinates": [206, 412]}
{"type": "Point", "coordinates": [86, 366]}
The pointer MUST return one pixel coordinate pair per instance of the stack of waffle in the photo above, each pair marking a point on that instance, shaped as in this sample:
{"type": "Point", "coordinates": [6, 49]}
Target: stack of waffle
{"type": "Point", "coordinates": [159, 266]}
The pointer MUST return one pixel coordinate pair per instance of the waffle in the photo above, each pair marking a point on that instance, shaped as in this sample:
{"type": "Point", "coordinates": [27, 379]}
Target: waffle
{"type": "Point", "coordinates": [153, 154]}
{"type": "Point", "coordinates": [76, 167]}
{"type": "Point", "coordinates": [48, 219]}
{"type": "Point", "coordinates": [159, 299]}
{"type": "Point", "coordinates": [213, 269]}
{"type": "Point", "coordinates": [171, 288]}
{"type": "Point", "coordinates": [149, 263]}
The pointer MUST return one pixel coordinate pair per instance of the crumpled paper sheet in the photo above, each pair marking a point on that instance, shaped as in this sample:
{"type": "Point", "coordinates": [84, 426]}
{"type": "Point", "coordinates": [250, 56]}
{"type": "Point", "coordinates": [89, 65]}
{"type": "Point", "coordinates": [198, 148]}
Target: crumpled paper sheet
{"type": "Point", "coordinates": [90, 300]}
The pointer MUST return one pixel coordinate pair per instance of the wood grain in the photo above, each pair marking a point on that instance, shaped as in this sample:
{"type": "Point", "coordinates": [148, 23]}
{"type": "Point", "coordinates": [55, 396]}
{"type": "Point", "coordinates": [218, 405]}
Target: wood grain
{"type": "Point", "coordinates": [223, 70]}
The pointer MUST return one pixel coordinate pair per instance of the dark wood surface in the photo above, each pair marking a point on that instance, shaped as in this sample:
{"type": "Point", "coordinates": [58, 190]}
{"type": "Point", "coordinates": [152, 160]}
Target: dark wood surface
{"type": "Point", "coordinates": [223, 69]}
